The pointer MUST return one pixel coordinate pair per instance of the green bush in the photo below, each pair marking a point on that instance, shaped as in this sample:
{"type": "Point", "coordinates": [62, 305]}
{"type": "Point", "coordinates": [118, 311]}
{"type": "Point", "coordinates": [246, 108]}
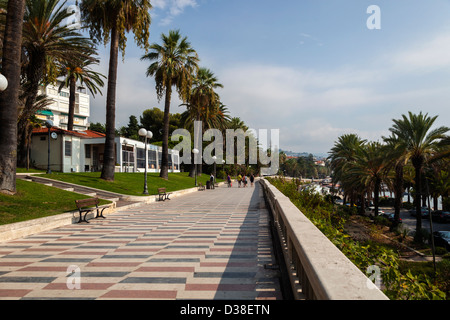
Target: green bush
{"type": "Point", "coordinates": [331, 219]}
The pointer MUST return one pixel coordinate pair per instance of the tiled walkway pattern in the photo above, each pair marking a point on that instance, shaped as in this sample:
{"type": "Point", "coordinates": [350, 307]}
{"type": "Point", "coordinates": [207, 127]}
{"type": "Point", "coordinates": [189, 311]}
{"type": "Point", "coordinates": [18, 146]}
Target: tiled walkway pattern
{"type": "Point", "coordinates": [211, 244]}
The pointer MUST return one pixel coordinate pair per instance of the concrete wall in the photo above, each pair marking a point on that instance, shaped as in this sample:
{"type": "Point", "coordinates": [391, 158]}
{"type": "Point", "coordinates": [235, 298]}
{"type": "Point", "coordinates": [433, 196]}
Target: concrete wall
{"type": "Point", "coordinates": [317, 268]}
{"type": "Point", "coordinates": [39, 152]}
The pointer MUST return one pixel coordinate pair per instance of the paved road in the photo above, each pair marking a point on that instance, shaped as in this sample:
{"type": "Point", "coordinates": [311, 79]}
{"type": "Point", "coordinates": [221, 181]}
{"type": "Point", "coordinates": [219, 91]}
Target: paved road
{"type": "Point", "coordinates": [409, 221]}
{"type": "Point", "coordinates": [212, 244]}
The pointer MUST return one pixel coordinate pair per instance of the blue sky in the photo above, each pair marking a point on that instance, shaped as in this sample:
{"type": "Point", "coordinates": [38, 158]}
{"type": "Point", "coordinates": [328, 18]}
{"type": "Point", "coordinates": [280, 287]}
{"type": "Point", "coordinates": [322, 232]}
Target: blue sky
{"type": "Point", "coordinates": [310, 68]}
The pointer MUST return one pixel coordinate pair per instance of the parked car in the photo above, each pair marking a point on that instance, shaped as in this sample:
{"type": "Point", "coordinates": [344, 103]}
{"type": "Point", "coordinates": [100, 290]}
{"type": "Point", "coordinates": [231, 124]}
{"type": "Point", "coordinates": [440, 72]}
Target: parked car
{"type": "Point", "coordinates": [441, 216]}
{"type": "Point", "coordinates": [442, 239]}
{"type": "Point", "coordinates": [390, 217]}
{"type": "Point", "coordinates": [371, 211]}
{"type": "Point", "coordinates": [424, 212]}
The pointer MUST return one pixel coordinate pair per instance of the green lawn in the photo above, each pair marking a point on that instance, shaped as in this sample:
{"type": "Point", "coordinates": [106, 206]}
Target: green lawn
{"type": "Point", "coordinates": [130, 183]}
{"type": "Point", "coordinates": [34, 200]}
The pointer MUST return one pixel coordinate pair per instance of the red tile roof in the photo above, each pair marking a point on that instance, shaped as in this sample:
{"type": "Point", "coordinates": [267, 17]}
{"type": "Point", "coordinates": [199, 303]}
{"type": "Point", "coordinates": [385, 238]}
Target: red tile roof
{"type": "Point", "coordinates": [82, 134]}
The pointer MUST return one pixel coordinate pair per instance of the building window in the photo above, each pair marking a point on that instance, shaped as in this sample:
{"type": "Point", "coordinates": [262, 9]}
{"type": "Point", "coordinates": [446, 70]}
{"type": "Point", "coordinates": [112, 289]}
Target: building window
{"type": "Point", "coordinates": [140, 158]}
{"type": "Point", "coordinates": [176, 160]}
{"type": "Point", "coordinates": [152, 159]}
{"type": "Point", "coordinates": [87, 151]}
{"type": "Point", "coordinates": [64, 94]}
{"type": "Point", "coordinates": [68, 149]}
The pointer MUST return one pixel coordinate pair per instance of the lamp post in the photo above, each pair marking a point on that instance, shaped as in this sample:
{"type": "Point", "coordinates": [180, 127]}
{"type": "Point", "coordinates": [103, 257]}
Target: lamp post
{"type": "Point", "coordinates": [147, 135]}
{"type": "Point", "coordinates": [214, 158]}
{"type": "Point", "coordinates": [3, 82]}
{"type": "Point", "coordinates": [49, 125]}
{"type": "Point", "coordinates": [195, 151]}
{"type": "Point", "coordinates": [127, 160]}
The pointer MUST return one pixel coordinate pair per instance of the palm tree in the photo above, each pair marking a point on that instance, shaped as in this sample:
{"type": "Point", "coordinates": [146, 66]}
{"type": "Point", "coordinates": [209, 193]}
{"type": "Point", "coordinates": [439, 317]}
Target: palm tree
{"type": "Point", "coordinates": [9, 98]}
{"type": "Point", "coordinates": [203, 98]}
{"type": "Point", "coordinates": [172, 64]}
{"type": "Point", "coordinates": [420, 144]}
{"type": "Point", "coordinates": [236, 123]}
{"type": "Point", "coordinates": [341, 156]}
{"type": "Point", "coordinates": [204, 105]}
{"type": "Point", "coordinates": [46, 40]}
{"type": "Point", "coordinates": [368, 170]}
{"type": "Point", "coordinates": [78, 70]}
{"type": "Point", "coordinates": [396, 157]}
{"type": "Point", "coordinates": [110, 20]}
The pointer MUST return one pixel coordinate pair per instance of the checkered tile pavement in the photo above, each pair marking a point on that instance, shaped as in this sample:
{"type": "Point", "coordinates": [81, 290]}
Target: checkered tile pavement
{"type": "Point", "coordinates": [212, 244]}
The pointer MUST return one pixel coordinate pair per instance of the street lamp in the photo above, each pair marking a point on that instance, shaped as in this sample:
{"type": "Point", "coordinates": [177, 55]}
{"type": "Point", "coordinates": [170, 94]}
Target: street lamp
{"type": "Point", "coordinates": [214, 158]}
{"type": "Point", "coordinates": [195, 151]}
{"type": "Point", "coordinates": [127, 160]}
{"type": "Point", "coordinates": [49, 125]}
{"type": "Point", "coordinates": [3, 82]}
{"type": "Point", "coordinates": [147, 135]}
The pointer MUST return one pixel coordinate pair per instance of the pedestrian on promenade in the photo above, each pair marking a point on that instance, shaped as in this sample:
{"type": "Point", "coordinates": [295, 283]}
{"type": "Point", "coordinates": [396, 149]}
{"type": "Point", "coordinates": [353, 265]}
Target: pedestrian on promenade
{"type": "Point", "coordinates": [252, 179]}
{"type": "Point", "coordinates": [211, 179]}
{"type": "Point", "coordinates": [244, 179]}
{"type": "Point", "coordinates": [229, 181]}
{"type": "Point", "coordinates": [239, 180]}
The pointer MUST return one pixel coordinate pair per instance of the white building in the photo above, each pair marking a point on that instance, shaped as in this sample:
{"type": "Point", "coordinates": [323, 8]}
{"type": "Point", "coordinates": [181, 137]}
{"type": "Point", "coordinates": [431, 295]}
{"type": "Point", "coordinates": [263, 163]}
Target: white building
{"type": "Point", "coordinates": [58, 111]}
{"type": "Point", "coordinates": [83, 151]}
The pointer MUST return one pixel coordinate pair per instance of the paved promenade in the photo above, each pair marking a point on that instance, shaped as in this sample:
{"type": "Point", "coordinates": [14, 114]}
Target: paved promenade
{"type": "Point", "coordinates": [211, 244]}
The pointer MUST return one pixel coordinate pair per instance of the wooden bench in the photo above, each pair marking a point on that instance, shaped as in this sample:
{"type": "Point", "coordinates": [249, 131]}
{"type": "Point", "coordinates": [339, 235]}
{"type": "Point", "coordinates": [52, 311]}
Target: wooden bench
{"type": "Point", "coordinates": [88, 205]}
{"type": "Point", "coordinates": [163, 195]}
{"type": "Point", "coordinates": [201, 187]}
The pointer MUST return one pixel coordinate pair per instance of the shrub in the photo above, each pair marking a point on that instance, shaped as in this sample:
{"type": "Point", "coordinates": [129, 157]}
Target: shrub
{"type": "Point", "coordinates": [330, 220]}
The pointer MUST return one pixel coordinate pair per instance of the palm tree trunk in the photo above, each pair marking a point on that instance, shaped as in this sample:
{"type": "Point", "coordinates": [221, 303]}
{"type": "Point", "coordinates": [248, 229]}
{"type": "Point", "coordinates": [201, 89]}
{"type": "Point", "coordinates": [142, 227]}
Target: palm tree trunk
{"type": "Point", "coordinates": [192, 167]}
{"type": "Point", "coordinates": [418, 200]}
{"type": "Point", "coordinates": [34, 74]}
{"type": "Point", "coordinates": [398, 190]}
{"type": "Point", "coordinates": [109, 161]}
{"type": "Point", "coordinates": [9, 98]}
{"type": "Point", "coordinates": [165, 145]}
{"type": "Point", "coordinates": [376, 195]}
{"type": "Point", "coordinates": [72, 87]}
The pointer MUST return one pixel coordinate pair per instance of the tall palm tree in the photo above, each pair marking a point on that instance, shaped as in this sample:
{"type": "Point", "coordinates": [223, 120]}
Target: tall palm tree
{"type": "Point", "coordinates": [172, 64]}
{"type": "Point", "coordinates": [396, 157]}
{"type": "Point", "coordinates": [46, 40]}
{"type": "Point", "coordinates": [203, 105]}
{"type": "Point", "coordinates": [420, 141]}
{"type": "Point", "coordinates": [78, 70]}
{"type": "Point", "coordinates": [9, 98]}
{"type": "Point", "coordinates": [341, 156]}
{"type": "Point", "coordinates": [109, 21]}
{"type": "Point", "coordinates": [368, 169]}
{"type": "Point", "coordinates": [203, 98]}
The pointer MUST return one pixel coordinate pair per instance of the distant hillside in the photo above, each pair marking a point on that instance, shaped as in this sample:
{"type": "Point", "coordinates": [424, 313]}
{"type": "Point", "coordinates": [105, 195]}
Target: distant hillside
{"type": "Point", "coordinates": [302, 154]}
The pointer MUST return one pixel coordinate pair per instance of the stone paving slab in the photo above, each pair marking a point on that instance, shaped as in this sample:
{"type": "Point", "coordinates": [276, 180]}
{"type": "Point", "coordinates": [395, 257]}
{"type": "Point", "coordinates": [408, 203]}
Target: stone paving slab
{"type": "Point", "coordinates": [211, 244]}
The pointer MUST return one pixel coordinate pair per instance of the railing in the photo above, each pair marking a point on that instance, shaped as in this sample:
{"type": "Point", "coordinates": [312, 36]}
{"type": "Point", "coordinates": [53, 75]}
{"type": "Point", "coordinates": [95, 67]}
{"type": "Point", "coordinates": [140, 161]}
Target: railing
{"type": "Point", "coordinates": [317, 269]}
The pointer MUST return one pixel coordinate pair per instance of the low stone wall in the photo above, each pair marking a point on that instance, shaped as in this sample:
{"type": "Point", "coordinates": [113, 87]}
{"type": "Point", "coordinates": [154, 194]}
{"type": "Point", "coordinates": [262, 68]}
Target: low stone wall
{"type": "Point", "coordinates": [317, 268]}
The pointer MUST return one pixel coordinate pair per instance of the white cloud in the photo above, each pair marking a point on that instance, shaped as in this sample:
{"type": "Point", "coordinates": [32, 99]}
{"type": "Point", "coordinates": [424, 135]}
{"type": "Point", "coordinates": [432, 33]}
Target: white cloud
{"type": "Point", "coordinates": [423, 56]}
{"type": "Point", "coordinates": [311, 107]}
{"type": "Point", "coordinates": [172, 8]}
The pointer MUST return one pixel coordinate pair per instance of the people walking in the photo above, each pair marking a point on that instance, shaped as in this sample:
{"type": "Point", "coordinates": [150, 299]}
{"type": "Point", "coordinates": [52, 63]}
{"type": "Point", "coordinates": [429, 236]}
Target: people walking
{"type": "Point", "coordinates": [211, 180]}
{"type": "Point", "coordinates": [239, 180]}
{"type": "Point", "coordinates": [229, 181]}
{"type": "Point", "coordinates": [252, 179]}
